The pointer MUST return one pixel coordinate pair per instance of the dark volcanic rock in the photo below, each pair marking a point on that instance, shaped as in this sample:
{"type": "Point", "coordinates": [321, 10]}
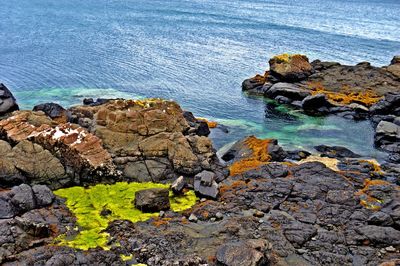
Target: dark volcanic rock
{"type": "Point", "coordinates": [7, 101]}
{"type": "Point", "coordinates": [336, 152]}
{"type": "Point", "coordinates": [152, 200]}
{"type": "Point", "coordinates": [288, 90]}
{"type": "Point", "coordinates": [54, 111]}
{"type": "Point", "coordinates": [316, 103]}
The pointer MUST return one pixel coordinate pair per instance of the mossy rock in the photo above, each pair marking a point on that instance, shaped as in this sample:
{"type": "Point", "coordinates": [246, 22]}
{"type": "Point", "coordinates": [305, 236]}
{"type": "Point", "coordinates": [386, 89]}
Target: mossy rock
{"type": "Point", "coordinates": [96, 206]}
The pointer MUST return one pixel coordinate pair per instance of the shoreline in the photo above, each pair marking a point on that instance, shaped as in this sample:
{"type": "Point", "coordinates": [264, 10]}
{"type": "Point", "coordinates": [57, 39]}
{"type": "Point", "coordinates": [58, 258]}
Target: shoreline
{"type": "Point", "coordinates": [255, 202]}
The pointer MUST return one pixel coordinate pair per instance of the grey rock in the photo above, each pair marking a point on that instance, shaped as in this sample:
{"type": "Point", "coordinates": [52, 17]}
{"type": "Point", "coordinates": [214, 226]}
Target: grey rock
{"type": "Point", "coordinates": [44, 196]}
{"type": "Point", "coordinates": [6, 208]}
{"type": "Point", "coordinates": [152, 200]}
{"type": "Point", "coordinates": [193, 218]}
{"type": "Point", "coordinates": [205, 185]}
{"type": "Point", "coordinates": [288, 90]}
{"type": "Point", "coordinates": [178, 185]}
{"type": "Point", "coordinates": [23, 198]}
{"type": "Point", "coordinates": [241, 254]}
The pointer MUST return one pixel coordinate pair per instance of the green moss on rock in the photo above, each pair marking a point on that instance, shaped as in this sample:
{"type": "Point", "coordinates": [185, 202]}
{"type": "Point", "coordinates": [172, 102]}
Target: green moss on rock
{"type": "Point", "coordinates": [96, 206]}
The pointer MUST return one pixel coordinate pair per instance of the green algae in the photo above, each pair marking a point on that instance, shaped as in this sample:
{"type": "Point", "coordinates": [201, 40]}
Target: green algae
{"type": "Point", "coordinates": [114, 202]}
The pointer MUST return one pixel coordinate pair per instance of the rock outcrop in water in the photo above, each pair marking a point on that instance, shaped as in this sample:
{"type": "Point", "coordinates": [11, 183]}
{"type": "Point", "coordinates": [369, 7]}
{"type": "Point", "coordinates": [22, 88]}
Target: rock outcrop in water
{"type": "Point", "coordinates": [7, 100]}
{"type": "Point", "coordinates": [323, 88]}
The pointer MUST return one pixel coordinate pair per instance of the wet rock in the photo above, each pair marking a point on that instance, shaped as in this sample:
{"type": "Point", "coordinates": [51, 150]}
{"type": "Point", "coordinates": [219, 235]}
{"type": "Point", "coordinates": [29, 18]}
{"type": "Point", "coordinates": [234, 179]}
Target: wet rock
{"type": "Point", "coordinates": [288, 90]}
{"type": "Point", "coordinates": [388, 105]}
{"type": "Point", "coordinates": [7, 101]}
{"type": "Point", "coordinates": [178, 185]}
{"type": "Point", "coordinates": [297, 155]}
{"type": "Point", "coordinates": [23, 198]}
{"type": "Point", "coordinates": [205, 185]}
{"type": "Point", "coordinates": [256, 85]}
{"type": "Point", "coordinates": [336, 152]}
{"type": "Point", "coordinates": [290, 67]}
{"type": "Point", "coordinates": [242, 254]}
{"type": "Point", "coordinates": [54, 111]}
{"type": "Point", "coordinates": [152, 200]}
{"type": "Point", "coordinates": [316, 103]}
{"type": "Point", "coordinates": [43, 195]}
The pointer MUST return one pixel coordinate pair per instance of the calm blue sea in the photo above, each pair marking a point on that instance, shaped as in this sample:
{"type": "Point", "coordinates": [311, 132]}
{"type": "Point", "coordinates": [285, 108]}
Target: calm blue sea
{"type": "Point", "coordinates": [194, 51]}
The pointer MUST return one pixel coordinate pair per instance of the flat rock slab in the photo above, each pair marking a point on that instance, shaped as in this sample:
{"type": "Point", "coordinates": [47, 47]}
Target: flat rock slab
{"type": "Point", "coordinates": [152, 200]}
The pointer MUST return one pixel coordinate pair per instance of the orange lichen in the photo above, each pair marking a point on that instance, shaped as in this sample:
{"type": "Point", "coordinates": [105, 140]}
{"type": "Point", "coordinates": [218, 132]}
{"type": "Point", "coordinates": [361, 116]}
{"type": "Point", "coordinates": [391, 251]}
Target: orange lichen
{"type": "Point", "coordinates": [259, 156]}
{"type": "Point", "coordinates": [345, 96]}
{"type": "Point", "coordinates": [375, 166]}
{"type": "Point", "coordinates": [159, 222]}
{"type": "Point", "coordinates": [234, 185]}
{"type": "Point", "coordinates": [367, 200]}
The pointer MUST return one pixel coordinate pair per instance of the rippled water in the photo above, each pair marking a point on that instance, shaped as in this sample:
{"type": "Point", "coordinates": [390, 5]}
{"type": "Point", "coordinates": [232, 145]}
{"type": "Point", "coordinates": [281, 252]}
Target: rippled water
{"type": "Point", "coordinates": [196, 52]}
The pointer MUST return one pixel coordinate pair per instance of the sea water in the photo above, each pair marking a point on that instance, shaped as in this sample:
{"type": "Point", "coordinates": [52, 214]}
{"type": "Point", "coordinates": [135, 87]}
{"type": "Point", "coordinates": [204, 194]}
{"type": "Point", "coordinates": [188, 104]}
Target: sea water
{"type": "Point", "coordinates": [196, 52]}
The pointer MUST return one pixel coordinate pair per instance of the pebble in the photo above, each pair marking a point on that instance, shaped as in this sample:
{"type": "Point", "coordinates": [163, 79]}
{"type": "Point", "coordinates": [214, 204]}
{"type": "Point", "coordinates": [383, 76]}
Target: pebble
{"type": "Point", "coordinates": [258, 214]}
{"type": "Point", "coordinates": [261, 221]}
{"type": "Point", "coordinates": [390, 249]}
{"type": "Point", "coordinates": [203, 199]}
{"type": "Point", "coordinates": [219, 216]}
{"type": "Point", "coordinates": [302, 251]}
{"type": "Point", "coordinates": [213, 219]}
{"type": "Point", "coordinates": [193, 218]}
{"type": "Point", "coordinates": [162, 213]}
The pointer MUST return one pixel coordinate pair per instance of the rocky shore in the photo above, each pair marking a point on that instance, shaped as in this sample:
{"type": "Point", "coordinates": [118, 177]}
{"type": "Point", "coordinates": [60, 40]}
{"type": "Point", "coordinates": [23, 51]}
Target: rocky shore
{"type": "Point", "coordinates": [126, 182]}
{"type": "Point", "coordinates": [328, 88]}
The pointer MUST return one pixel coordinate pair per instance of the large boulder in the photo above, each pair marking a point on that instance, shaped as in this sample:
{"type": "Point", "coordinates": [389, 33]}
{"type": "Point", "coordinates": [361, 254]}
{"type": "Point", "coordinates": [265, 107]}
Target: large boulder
{"type": "Point", "coordinates": [7, 100]}
{"type": "Point", "coordinates": [152, 200]}
{"type": "Point", "coordinates": [150, 140]}
{"type": "Point", "coordinates": [290, 67]}
{"type": "Point", "coordinates": [37, 136]}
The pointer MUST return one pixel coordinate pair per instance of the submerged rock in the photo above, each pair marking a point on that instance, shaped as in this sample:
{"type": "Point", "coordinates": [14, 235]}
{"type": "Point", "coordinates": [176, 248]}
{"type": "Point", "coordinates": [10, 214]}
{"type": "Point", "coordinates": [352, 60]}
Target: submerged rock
{"type": "Point", "coordinates": [152, 200]}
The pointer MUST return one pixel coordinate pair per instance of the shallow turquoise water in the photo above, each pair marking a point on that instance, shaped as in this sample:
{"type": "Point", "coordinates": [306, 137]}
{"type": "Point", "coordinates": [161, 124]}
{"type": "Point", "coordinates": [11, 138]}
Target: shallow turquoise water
{"type": "Point", "coordinates": [196, 52]}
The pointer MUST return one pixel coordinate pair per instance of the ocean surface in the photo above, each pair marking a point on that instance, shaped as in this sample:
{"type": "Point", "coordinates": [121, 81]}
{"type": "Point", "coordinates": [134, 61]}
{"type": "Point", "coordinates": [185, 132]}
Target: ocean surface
{"type": "Point", "coordinates": [196, 52]}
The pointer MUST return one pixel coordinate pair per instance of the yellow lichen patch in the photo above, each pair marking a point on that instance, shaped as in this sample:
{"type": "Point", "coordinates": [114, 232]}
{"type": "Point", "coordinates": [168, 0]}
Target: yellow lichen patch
{"type": "Point", "coordinates": [96, 206]}
{"type": "Point", "coordinates": [258, 157]}
{"type": "Point", "coordinates": [368, 201]}
{"type": "Point", "coordinates": [283, 58]}
{"type": "Point", "coordinates": [345, 96]}
{"type": "Point", "coordinates": [211, 124]}
{"type": "Point", "coordinates": [329, 162]}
